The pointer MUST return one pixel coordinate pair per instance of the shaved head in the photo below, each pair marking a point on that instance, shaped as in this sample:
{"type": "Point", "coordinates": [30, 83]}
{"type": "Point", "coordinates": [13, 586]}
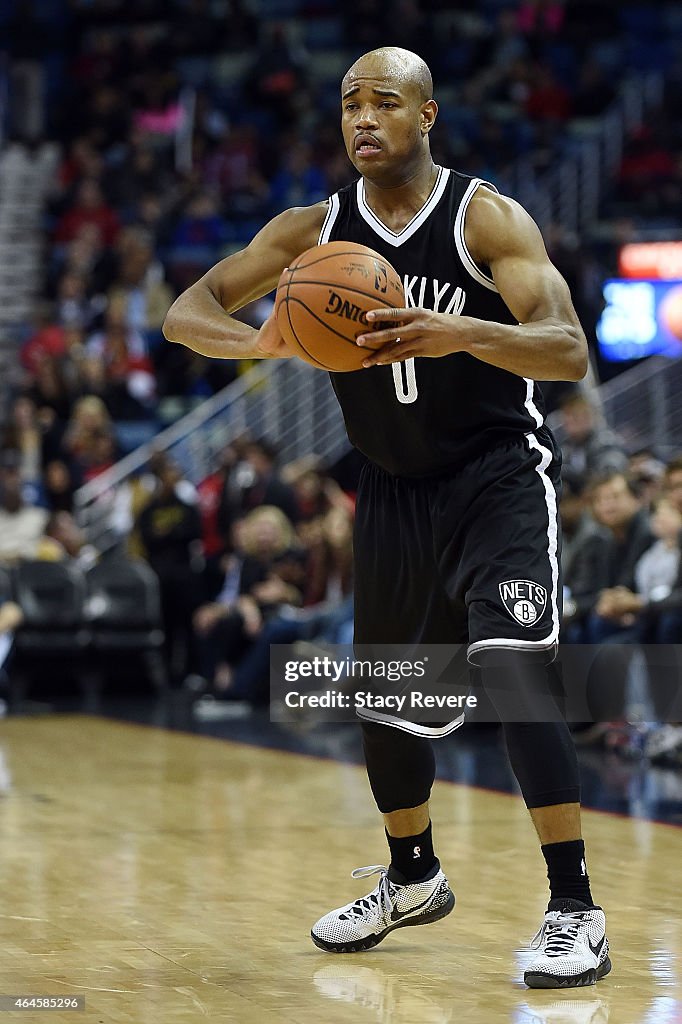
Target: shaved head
{"type": "Point", "coordinates": [392, 65]}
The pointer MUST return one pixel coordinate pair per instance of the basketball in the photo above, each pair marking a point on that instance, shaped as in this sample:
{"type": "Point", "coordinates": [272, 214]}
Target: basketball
{"type": "Point", "coordinates": [323, 299]}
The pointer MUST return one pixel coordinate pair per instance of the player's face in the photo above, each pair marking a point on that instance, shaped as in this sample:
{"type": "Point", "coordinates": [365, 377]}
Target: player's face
{"type": "Point", "coordinates": [382, 125]}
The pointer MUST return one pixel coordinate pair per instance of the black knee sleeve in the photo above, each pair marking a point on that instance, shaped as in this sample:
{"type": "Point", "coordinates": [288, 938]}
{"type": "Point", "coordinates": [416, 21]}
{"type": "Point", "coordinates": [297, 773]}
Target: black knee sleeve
{"type": "Point", "coordinates": [544, 761]}
{"type": "Point", "coordinates": [401, 767]}
{"type": "Point", "coordinates": [528, 697]}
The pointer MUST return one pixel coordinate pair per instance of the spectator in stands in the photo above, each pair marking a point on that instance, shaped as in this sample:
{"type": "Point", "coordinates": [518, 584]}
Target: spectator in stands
{"type": "Point", "coordinates": [201, 228]}
{"type": "Point", "coordinates": [277, 76]}
{"type": "Point", "coordinates": [658, 568]}
{"type": "Point", "coordinates": [672, 481]}
{"type": "Point", "coordinates": [582, 558]}
{"type": "Point", "coordinates": [258, 582]}
{"type": "Point", "coordinates": [89, 207]}
{"type": "Point", "coordinates": [210, 492]}
{"type": "Point", "coordinates": [648, 162]}
{"type": "Point", "coordinates": [59, 486]}
{"type": "Point", "coordinates": [243, 683]}
{"type": "Point", "coordinates": [589, 448]}
{"type": "Point", "coordinates": [140, 290]}
{"type": "Point", "coordinates": [74, 308]}
{"type": "Point", "coordinates": [140, 173]}
{"type": "Point", "coordinates": [170, 530]}
{"type": "Point", "coordinates": [50, 389]}
{"type": "Point", "coordinates": [646, 472]}
{"type": "Point", "coordinates": [90, 260]}
{"type": "Point", "coordinates": [70, 541]}
{"type": "Point", "coordinates": [501, 46]}
{"type": "Point", "coordinates": [22, 526]}
{"type": "Point", "coordinates": [617, 507]}
{"type": "Point", "coordinates": [547, 99]}
{"type": "Point", "coordinates": [253, 482]}
{"type": "Point", "coordinates": [89, 422]}
{"type": "Point", "coordinates": [652, 615]}
{"type": "Point", "coordinates": [315, 491]}
{"type": "Point", "coordinates": [656, 597]}
{"type": "Point", "coordinates": [119, 369]}
{"type": "Point", "coordinates": [80, 161]}
{"type": "Point", "coordinates": [25, 435]}
{"type": "Point", "coordinates": [234, 166]}
{"type": "Point", "coordinates": [594, 92]}
{"type": "Point", "coordinates": [46, 338]}
{"type": "Point", "coordinates": [300, 181]}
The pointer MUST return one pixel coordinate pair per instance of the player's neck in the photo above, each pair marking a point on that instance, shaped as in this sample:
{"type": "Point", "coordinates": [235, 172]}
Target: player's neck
{"type": "Point", "coordinates": [396, 203]}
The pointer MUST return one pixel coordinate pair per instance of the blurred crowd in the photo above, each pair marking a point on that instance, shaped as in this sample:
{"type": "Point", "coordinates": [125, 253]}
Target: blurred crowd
{"type": "Point", "coordinates": [260, 553]}
{"type": "Point", "coordinates": [181, 128]}
{"type": "Point", "coordinates": [621, 519]}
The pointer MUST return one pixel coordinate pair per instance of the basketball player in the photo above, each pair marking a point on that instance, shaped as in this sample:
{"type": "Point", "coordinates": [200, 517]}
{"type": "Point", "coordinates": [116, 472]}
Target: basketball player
{"type": "Point", "coordinates": [457, 536]}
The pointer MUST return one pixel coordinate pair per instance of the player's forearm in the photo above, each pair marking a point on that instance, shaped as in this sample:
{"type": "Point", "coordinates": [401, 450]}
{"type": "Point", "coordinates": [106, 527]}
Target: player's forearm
{"type": "Point", "coordinates": [543, 350]}
{"type": "Point", "coordinates": [196, 319]}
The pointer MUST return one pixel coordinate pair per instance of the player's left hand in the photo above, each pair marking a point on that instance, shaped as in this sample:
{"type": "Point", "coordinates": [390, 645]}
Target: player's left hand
{"type": "Point", "coordinates": [417, 332]}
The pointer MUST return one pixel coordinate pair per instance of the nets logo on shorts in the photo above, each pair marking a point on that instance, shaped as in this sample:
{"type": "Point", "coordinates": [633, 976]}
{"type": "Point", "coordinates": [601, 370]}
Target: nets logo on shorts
{"type": "Point", "coordinates": [524, 600]}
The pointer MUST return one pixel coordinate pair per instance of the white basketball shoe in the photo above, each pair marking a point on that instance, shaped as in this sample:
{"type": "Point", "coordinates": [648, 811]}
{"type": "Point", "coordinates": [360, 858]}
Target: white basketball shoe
{"type": "Point", "coordinates": [364, 923]}
{"type": "Point", "coordinates": [573, 950]}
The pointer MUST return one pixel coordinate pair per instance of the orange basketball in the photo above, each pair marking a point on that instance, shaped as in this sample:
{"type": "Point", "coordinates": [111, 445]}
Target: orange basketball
{"type": "Point", "coordinates": [324, 296]}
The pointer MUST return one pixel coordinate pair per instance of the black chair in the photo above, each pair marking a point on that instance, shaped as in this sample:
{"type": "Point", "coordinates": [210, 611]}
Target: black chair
{"type": "Point", "coordinates": [51, 595]}
{"type": "Point", "coordinates": [123, 610]}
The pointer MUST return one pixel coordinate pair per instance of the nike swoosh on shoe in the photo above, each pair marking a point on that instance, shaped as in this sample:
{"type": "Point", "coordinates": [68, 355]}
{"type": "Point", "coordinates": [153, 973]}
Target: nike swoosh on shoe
{"type": "Point", "coordinates": [396, 914]}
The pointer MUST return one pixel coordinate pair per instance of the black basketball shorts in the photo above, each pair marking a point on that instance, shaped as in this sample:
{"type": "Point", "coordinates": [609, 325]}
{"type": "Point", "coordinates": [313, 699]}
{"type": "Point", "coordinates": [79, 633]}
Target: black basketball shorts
{"type": "Point", "coordinates": [471, 558]}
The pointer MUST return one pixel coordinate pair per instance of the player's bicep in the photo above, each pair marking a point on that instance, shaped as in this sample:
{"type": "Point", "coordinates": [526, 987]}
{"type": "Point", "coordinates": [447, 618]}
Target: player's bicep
{"type": "Point", "coordinates": [533, 289]}
{"type": "Point", "coordinates": [506, 238]}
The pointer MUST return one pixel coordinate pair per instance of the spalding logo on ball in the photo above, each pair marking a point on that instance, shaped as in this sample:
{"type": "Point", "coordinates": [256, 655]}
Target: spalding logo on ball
{"type": "Point", "coordinates": [323, 299]}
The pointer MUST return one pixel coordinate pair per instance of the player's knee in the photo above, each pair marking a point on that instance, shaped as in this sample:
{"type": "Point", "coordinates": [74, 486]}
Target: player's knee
{"type": "Point", "coordinates": [522, 685]}
{"type": "Point", "coordinates": [401, 767]}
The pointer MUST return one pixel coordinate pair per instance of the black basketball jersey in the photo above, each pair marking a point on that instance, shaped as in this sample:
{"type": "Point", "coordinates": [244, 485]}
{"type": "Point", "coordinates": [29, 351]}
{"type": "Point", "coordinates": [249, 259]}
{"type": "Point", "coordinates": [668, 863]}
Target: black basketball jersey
{"type": "Point", "coordinates": [429, 416]}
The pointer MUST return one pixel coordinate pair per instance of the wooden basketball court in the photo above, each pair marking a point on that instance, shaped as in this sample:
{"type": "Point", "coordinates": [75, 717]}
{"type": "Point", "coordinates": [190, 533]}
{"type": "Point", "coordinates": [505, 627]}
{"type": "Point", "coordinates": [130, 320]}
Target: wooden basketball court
{"type": "Point", "coordinates": [171, 878]}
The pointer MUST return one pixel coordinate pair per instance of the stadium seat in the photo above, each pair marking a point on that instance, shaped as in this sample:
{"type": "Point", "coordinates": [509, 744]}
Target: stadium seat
{"type": "Point", "coordinates": [51, 595]}
{"type": "Point", "coordinates": [123, 609]}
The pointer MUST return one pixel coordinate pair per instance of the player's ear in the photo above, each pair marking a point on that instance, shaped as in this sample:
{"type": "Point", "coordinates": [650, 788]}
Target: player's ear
{"type": "Point", "coordinates": [427, 116]}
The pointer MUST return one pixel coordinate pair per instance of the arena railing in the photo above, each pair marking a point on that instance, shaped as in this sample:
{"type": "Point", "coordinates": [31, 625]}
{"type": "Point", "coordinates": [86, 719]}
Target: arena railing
{"type": "Point", "coordinates": [642, 406]}
{"type": "Point", "coordinates": [285, 401]}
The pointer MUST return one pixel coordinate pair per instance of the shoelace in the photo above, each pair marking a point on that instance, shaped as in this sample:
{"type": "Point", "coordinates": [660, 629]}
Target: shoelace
{"type": "Point", "coordinates": [560, 932]}
{"type": "Point", "coordinates": [382, 894]}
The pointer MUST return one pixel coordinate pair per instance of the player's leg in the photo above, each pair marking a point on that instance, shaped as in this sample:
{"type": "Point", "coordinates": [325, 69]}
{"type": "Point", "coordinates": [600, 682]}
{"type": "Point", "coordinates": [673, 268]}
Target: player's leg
{"type": "Point", "coordinates": [394, 574]}
{"type": "Point", "coordinates": [510, 569]}
{"type": "Point", "coordinates": [413, 889]}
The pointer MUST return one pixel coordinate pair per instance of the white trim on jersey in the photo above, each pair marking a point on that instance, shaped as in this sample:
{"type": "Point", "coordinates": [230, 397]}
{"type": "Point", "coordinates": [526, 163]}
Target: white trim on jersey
{"type": "Point", "coordinates": [330, 219]}
{"type": "Point", "coordinates": [468, 263]}
{"type": "Point", "coordinates": [397, 238]}
{"type": "Point", "coordinates": [530, 402]}
{"type": "Point", "coordinates": [415, 728]}
{"type": "Point", "coordinates": [501, 643]}
{"type": "Point", "coordinates": [552, 639]}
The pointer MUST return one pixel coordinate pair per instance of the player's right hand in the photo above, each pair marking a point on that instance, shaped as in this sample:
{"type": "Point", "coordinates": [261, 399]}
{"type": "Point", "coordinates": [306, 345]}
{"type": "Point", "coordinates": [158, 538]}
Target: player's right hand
{"type": "Point", "coordinates": [269, 342]}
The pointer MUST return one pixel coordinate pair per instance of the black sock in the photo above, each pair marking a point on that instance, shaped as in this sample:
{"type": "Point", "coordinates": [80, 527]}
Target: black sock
{"type": "Point", "coordinates": [567, 873]}
{"type": "Point", "coordinates": [412, 857]}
